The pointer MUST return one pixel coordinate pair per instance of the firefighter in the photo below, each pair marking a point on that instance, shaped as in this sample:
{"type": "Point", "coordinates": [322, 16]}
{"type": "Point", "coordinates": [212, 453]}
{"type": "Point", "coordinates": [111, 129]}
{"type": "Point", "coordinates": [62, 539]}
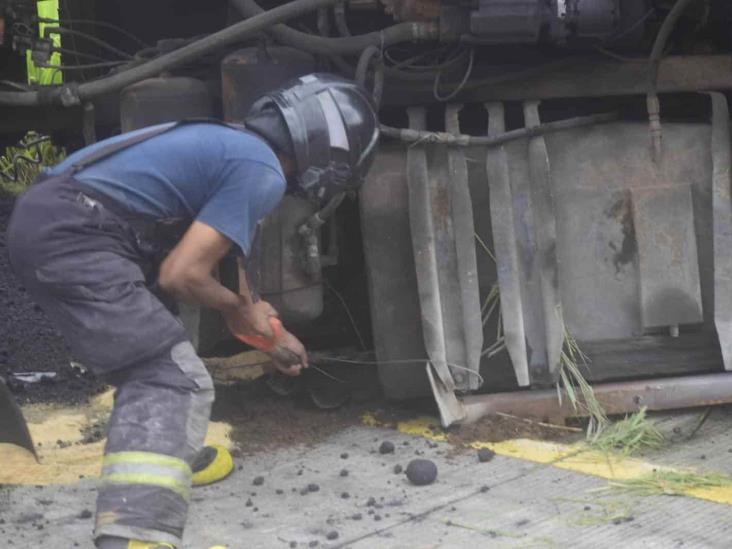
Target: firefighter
{"type": "Point", "coordinates": [86, 241]}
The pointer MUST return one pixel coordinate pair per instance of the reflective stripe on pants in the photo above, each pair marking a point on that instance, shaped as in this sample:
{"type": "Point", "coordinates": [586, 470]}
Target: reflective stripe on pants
{"type": "Point", "coordinates": [148, 468]}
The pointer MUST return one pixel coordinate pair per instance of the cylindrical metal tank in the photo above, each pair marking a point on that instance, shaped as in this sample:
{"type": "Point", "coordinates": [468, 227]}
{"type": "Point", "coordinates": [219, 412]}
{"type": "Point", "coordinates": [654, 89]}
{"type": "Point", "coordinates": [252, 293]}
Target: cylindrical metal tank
{"type": "Point", "coordinates": [277, 269]}
{"type": "Point", "coordinates": [248, 73]}
{"type": "Point", "coordinates": [164, 99]}
{"type": "Point", "coordinates": [167, 99]}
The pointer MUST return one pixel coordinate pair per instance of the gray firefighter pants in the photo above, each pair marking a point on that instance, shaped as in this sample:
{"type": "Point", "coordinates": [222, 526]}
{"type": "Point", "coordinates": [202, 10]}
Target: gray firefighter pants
{"type": "Point", "coordinates": [84, 265]}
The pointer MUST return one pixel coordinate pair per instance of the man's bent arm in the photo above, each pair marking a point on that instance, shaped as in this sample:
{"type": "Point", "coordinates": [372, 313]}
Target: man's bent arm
{"type": "Point", "coordinates": [187, 271]}
{"type": "Point", "coordinates": [187, 274]}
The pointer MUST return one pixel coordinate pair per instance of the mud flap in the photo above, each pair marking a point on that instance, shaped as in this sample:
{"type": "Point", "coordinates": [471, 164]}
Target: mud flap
{"type": "Point", "coordinates": [13, 428]}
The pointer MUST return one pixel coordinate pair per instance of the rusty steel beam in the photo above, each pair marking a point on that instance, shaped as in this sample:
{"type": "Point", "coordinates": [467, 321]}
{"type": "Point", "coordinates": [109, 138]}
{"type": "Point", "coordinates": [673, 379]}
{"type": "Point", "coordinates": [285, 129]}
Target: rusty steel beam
{"type": "Point", "coordinates": [616, 398]}
{"type": "Point", "coordinates": [605, 78]}
{"type": "Point", "coordinates": [590, 78]}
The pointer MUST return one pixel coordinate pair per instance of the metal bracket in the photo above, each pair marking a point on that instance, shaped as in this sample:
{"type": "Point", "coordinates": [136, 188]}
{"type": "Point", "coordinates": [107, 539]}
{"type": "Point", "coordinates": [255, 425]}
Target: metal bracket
{"type": "Point", "coordinates": [524, 235]}
{"type": "Point", "coordinates": [505, 245]}
{"type": "Point", "coordinates": [441, 222]}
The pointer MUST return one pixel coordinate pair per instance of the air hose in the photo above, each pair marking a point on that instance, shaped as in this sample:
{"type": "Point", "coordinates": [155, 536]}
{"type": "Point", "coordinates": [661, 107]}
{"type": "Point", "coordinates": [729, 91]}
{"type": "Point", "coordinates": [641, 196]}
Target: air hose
{"type": "Point", "coordinates": [74, 94]}
{"type": "Point", "coordinates": [348, 45]}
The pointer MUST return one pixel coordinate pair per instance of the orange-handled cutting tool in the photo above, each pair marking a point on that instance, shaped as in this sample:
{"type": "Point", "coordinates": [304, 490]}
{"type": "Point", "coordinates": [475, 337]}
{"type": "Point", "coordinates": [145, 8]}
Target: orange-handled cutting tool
{"type": "Point", "coordinates": [263, 343]}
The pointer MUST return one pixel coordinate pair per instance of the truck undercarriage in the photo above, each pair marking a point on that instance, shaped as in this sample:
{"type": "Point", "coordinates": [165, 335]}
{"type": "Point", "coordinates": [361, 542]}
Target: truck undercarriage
{"type": "Point", "coordinates": [553, 178]}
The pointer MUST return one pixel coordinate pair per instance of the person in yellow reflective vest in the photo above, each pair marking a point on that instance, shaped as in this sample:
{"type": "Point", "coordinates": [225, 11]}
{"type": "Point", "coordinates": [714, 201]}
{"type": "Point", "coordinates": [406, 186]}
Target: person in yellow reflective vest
{"type": "Point", "coordinates": [46, 9]}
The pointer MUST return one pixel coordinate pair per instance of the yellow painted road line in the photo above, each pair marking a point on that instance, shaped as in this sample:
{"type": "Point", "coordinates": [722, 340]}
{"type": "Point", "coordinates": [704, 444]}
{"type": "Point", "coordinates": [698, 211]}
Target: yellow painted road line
{"type": "Point", "coordinates": [572, 457]}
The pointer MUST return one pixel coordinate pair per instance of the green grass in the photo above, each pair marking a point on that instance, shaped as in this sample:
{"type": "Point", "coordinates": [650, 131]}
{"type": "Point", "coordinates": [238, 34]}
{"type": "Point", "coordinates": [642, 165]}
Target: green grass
{"type": "Point", "coordinates": [670, 483]}
{"type": "Point", "coordinates": [578, 391]}
{"type": "Point", "coordinates": [631, 435]}
{"type": "Point", "coordinates": [20, 164]}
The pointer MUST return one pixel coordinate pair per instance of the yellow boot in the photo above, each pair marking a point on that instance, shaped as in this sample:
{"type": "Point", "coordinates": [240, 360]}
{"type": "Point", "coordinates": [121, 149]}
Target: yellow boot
{"type": "Point", "coordinates": [137, 544]}
{"type": "Point", "coordinates": [213, 463]}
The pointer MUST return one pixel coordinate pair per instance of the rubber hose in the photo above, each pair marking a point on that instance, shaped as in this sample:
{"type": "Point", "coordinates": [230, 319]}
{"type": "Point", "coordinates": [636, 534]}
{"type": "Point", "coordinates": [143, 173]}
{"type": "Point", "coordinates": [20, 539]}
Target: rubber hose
{"type": "Point", "coordinates": [369, 54]}
{"type": "Point", "coordinates": [339, 13]}
{"type": "Point", "coordinates": [73, 94]}
{"type": "Point", "coordinates": [417, 136]}
{"type": "Point", "coordinates": [653, 105]}
{"type": "Point", "coordinates": [402, 32]}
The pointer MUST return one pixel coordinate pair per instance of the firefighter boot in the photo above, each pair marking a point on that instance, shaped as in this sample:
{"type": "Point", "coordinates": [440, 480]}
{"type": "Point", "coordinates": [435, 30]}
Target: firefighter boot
{"type": "Point", "coordinates": [212, 464]}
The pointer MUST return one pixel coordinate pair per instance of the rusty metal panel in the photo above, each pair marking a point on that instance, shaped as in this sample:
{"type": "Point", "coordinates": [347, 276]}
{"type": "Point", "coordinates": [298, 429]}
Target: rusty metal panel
{"type": "Point", "coordinates": [668, 262]}
{"type": "Point", "coordinates": [722, 222]}
{"type": "Point", "coordinates": [595, 172]}
{"type": "Point", "coordinates": [441, 222]}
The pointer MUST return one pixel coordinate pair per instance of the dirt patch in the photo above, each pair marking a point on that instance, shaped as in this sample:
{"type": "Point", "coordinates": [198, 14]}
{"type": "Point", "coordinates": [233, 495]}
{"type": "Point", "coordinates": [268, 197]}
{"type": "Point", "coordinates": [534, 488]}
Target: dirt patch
{"type": "Point", "coordinates": [500, 428]}
{"type": "Point", "coordinates": [264, 421]}
{"type": "Point", "coordinates": [30, 343]}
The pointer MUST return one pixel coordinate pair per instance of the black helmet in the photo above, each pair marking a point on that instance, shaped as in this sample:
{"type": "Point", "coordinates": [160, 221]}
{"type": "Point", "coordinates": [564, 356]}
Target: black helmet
{"type": "Point", "coordinates": [333, 127]}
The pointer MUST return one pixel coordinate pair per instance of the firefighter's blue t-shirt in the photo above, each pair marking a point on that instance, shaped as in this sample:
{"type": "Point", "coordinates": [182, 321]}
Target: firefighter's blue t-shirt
{"type": "Point", "coordinates": [226, 178]}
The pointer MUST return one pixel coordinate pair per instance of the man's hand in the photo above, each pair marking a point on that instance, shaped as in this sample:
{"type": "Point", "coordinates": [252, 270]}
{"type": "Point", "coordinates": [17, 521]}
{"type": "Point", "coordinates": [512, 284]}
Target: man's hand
{"type": "Point", "coordinates": [250, 319]}
{"type": "Point", "coordinates": [289, 355]}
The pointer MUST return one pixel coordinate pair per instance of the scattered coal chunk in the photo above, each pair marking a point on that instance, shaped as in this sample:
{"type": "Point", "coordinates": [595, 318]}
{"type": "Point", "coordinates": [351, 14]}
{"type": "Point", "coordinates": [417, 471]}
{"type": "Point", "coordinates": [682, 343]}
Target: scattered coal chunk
{"type": "Point", "coordinates": [357, 516]}
{"type": "Point", "coordinates": [345, 495]}
{"type": "Point", "coordinates": [485, 454]}
{"type": "Point", "coordinates": [85, 514]}
{"type": "Point", "coordinates": [313, 543]}
{"type": "Point", "coordinates": [484, 489]}
{"type": "Point", "coordinates": [249, 503]}
{"type": "Point", "coordinates": [344, 472]}
{"type": "Point", "coordinates": [421, 472]}
{"type": "Point", "coordinates": [371, 502]}
{"type": "Point", "coordinates": [386, 447]}
{"type": "Point", "coordinates": [398, 469]}
{"type": "Point", "coordinates": [279, 492]}
{"type": "Point", "coordinates": [293, 544]}
{"type": "Point", "coordinates": [312, 487]}
{"type": "Point", "coordinates": [332, 535]}
{"type": "Point", "coordinates": [344, 455]}
{"type": "Point", "coordinates": [258, 481]}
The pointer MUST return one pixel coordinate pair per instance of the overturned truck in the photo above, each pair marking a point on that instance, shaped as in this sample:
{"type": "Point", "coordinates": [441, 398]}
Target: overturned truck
{"type": "Point", "coordinates": [549, 171]}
